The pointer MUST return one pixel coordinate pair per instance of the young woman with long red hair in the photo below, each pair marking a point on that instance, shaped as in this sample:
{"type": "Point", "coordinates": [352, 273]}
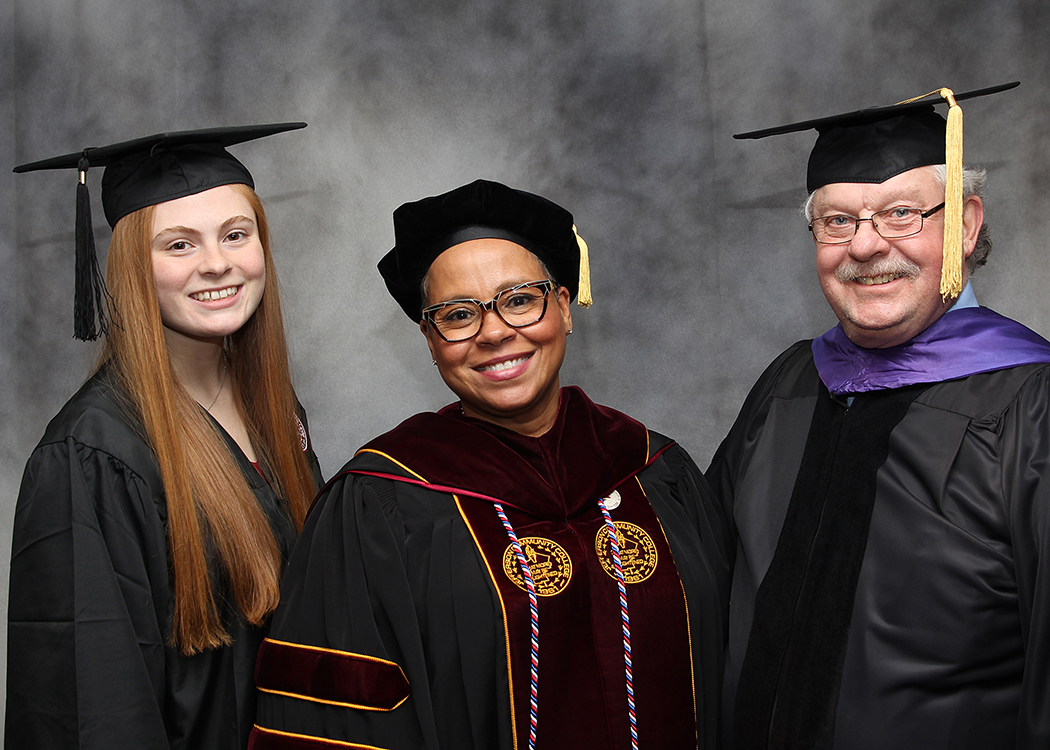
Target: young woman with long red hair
{"type": "Point", "coordinates": [157, 511]}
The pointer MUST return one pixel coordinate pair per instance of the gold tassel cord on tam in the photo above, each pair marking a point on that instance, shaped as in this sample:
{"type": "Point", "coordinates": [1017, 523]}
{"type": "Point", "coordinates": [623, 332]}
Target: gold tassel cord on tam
{"type": "Point", "coordinates": [584, 299]}
{"type": "Point", "coordinates": [951, 262]}
{"type": "Point", "coordinates": [951, 265]}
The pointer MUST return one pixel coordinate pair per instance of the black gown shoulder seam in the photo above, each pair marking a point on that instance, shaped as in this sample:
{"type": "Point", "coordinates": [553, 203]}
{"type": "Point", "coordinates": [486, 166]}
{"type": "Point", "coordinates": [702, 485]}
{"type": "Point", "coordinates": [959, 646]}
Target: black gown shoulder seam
{"type": "Point", "coordinates": [1008, 403]}
{"type": "Point", "coordinates": [101, 451]}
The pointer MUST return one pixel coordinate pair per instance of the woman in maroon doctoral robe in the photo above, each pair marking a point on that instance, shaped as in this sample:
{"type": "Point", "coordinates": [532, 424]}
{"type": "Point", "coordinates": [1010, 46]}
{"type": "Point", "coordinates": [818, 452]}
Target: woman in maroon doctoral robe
{"type": "Point", "coordinates": [523, 568]}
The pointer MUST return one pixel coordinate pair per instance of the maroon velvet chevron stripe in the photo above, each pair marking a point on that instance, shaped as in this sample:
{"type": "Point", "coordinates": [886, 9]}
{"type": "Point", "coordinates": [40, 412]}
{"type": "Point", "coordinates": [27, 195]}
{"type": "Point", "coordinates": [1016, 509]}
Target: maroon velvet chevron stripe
{"type": "Point", "coordinates": [330, 676]}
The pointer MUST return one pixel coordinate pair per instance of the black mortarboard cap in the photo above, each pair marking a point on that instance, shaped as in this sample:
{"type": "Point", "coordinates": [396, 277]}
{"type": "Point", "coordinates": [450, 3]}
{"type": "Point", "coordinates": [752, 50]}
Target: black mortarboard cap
{"type": "Point", "coordinates": [875, 144]}
{"type": "Point", "coordinates": [140, 173]}
{"type": "Point", "coordinates": [426, 228]}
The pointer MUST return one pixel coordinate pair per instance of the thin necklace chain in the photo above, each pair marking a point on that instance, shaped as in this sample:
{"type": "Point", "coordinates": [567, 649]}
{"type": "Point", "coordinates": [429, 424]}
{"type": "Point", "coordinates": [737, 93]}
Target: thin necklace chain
{"type": "Point", "coordinates": [221, 384]}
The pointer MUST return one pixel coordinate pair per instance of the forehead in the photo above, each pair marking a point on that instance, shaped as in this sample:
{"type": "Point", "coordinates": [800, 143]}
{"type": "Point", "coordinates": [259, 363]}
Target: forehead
{"type": "Point", "coordinates": [915, 187]}
{"type": "Point", "coordinates": [481, 267]}
{"type": "Point", "coordinates": [215, 205]}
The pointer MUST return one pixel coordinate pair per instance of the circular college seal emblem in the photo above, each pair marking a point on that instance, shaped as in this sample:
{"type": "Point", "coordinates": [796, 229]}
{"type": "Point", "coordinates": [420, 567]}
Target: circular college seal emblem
{"type": "Point", "coordinates": [548, 562]}
{"type": "Point", "coordinates": [637, 551]}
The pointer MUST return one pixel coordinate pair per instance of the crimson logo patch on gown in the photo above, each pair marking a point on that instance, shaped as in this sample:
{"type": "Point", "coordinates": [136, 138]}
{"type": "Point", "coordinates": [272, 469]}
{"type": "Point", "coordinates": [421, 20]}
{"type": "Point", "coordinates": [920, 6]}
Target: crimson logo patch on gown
{"type": "Point", "coordinates": [637, 551]}
{"type": "Point", "coordinates": [548, 561]}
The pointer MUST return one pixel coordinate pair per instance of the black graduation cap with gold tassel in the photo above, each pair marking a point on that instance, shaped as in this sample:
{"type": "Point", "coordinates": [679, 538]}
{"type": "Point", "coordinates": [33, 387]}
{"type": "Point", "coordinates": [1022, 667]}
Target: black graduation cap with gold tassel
{"type": "Point", "coordinates": [425, 228]}
{"type": "Point", "coordinates": [140, 173]}
{"type": "Point", "coordinates": [875, 144]}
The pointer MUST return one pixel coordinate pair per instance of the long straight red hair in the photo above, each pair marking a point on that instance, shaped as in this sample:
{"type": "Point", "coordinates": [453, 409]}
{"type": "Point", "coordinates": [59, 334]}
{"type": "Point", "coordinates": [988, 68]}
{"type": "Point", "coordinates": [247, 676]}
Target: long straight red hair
{"type": "Point", "coordinates": [216, 530]}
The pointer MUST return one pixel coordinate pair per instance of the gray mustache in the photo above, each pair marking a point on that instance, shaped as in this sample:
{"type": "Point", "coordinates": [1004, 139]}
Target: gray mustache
{"type": "Point", "coordinates": [898, 267]}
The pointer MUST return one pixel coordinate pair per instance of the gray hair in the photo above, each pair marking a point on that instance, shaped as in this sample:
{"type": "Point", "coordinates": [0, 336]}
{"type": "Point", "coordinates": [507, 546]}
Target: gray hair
{"type": "Point", "coordinates": [973, 185]}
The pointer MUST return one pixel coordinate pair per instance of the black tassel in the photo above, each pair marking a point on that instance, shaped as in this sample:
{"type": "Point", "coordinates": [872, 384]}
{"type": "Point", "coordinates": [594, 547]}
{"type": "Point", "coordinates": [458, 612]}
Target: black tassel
{"type": "Point", "coordinates": [90, 298]}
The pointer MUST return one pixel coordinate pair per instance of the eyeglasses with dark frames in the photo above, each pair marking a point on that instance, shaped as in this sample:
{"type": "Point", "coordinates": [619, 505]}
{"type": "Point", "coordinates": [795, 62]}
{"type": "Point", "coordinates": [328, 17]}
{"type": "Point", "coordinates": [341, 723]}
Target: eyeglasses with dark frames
{"type": "Point", "coordinates": [519, 306]}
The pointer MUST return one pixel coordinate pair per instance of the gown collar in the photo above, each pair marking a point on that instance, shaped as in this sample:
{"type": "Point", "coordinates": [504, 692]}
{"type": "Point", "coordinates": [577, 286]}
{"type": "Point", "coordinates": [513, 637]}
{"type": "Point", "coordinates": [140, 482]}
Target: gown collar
{"type": "Point", "coordinates": [962, 342]}
{"type": "Point", "coordinates": [588, 451]}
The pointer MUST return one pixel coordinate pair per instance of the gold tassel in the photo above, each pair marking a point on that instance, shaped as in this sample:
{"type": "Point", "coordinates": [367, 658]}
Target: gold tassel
{"type": "Point", "coordinates": [951, 265]}
{"type": "Point", "coordinates": [584, 297]}
{"type": "Point", "coordinates": [951, 261]}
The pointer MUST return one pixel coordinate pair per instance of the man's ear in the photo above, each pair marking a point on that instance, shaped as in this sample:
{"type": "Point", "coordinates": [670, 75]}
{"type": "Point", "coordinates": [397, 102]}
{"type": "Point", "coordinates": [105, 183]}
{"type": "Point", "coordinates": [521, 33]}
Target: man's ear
{"type": "Point", "coordinates": [972, 221]}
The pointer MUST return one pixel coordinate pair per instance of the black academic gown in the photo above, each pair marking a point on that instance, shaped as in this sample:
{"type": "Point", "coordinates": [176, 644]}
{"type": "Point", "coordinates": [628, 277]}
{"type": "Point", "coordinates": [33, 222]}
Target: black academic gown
{"type": "Point", "coordinates": [403, 622]}
{"type": "Point", "coordinates": [91, 599]}
{"type": "Point", "coordinates": [946, 637]}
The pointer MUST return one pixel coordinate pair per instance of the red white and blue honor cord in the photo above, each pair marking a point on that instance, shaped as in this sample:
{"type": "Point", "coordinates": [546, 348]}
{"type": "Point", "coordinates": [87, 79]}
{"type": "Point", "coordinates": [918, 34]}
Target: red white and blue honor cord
{"type": "Point", "coordinates": [534, 656]}
{"type": "Point", "coordinates": [534, 613]}
{"type": "Point", "coordinates": [621, 584]}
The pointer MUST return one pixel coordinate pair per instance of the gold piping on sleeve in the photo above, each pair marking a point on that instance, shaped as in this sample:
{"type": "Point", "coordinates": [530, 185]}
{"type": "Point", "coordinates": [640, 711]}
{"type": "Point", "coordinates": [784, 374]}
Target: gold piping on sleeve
{"type": "Point", "coordinates": [342, 704]}
{"type": "Point", "coordinates": [323, 701]}
{"type": "Point", "coordinates": [311, 738]}
{"type": "Point", "coordinates": [335, 651]}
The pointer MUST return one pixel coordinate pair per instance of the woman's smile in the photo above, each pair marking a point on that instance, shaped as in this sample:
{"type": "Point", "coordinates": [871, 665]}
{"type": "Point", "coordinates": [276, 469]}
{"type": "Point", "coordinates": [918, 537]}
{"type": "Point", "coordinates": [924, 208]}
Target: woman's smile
{"type": "Point", "coordinates": [504, 374]}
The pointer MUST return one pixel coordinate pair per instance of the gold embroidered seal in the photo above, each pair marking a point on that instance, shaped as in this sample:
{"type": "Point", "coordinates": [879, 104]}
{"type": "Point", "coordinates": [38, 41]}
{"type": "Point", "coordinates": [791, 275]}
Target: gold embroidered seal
{"type": "Point", "coordinates": [637, 551]}
{"type": "Point", "coordinates": [548, 561]}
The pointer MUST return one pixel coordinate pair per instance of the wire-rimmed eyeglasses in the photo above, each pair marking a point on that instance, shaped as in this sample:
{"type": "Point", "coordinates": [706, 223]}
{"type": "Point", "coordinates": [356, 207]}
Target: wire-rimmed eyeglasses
{"type": "Point", "coordinates": [519, 306]}
{"type": "Point", "coordinates": [891, 224]}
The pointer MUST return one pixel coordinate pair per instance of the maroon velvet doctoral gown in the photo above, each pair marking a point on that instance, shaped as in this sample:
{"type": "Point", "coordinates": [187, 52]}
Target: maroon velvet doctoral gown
{"type": "Point", "coordinates": [404, 622]}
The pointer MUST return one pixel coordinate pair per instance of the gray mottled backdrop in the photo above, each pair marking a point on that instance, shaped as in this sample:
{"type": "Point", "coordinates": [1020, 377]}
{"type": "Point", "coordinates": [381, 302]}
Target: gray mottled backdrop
{"type": "Point", "coordinates": [621, 110]}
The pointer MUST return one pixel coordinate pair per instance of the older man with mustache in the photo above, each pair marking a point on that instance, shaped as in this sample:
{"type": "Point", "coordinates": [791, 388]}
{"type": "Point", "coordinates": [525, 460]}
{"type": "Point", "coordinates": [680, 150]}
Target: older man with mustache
{"type": "Point", "coordinates": [890, 480]}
